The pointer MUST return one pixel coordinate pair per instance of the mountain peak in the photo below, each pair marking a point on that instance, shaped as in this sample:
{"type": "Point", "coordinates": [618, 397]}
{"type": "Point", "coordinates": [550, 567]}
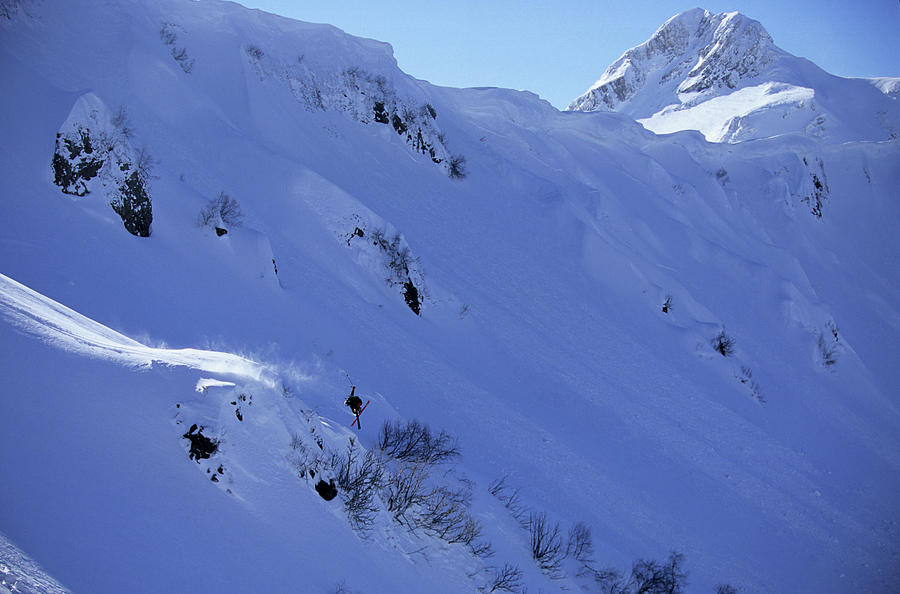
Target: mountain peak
{"type": "Point", "coordinates": [695, 52]}
{"type": "Point", "coordinates": [723, 75]}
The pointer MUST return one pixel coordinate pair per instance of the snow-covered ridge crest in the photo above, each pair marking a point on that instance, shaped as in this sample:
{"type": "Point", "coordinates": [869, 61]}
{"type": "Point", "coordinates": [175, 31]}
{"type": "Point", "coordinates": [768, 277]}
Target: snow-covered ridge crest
{"type": "Point", "coordinates": [69, 330]}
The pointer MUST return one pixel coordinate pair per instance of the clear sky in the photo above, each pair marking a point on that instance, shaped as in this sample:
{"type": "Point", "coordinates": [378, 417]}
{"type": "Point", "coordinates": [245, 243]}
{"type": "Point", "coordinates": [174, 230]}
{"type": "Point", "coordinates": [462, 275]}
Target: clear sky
{"type": "Point", "coordinates": [558, 49]}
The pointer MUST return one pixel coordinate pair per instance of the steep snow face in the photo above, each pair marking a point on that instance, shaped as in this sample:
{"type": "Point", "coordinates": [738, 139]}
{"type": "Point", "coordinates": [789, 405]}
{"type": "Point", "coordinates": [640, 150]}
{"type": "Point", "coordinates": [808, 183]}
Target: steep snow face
{"type": "Point", "coordinates": [698, 57]}
{"type": "Point", "coordinates": [680, 345]}
{"type": "Point", "coordinates": [890, 86]}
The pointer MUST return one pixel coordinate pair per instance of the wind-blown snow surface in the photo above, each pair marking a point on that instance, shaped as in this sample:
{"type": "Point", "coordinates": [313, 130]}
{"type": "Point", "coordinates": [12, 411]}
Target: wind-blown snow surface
{"type": "Point", "coordinates": [541, 343]}
{"type": "Point", "coordinates": [723, 75]}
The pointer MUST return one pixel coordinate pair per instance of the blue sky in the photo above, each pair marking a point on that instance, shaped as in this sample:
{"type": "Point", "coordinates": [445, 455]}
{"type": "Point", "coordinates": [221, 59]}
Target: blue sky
{"type": "Point", "coordinates": [558, 49]}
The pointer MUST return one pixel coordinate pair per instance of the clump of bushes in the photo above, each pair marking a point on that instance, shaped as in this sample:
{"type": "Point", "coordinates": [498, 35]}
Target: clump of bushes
{"type": "Point", "coordinates": [646, 577]}
{"type": "Point", "coordinates": [457, 167]}
{"type": "Point", "coordinates": [168, 34]}
{"type": "Point", "coordinates": [416, 443]}
{"type": "Point", "coordinates": [359, 478]}
{"type": "Point", "coordinates": [723, 344]}
{"type": "Point", "coordinates": [402, 268]}
{"type": "Point", "coordinates": [828, 343]}
{"type": "Point", "coordinates": [550, 551]}
{"type": "Point", "coordinates": [221, 212]}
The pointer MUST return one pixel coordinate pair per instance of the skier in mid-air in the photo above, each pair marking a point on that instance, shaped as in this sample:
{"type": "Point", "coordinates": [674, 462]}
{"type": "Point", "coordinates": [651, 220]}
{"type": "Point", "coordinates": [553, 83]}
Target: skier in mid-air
{"type": "Point", "coordinates": [355, 404]}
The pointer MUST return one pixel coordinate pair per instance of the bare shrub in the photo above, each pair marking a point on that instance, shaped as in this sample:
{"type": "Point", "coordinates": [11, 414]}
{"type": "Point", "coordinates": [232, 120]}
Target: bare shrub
{"type": "Point", "coordinates": [647, 577]}
{"type": "Point", "coordinates": [221, 211]}
{"type": "Point", "coordinates": [650, 577]}
{"type": "Point", "coordinates": [307, 462]}
{"type": "Point", "coordinates": [723, 343]}
{"type": "Point", "coordinates": [359, 479]}
{"type": "Point", "coordinates": [415, 442]}
{"type": "Point", "coordinates": [510, 499]}
{"type": "Point", "coordinates": [828, 344]}
{"type": "Point", "coordinates": [504, 579]}
{"type": "Point", "coordinates": [580, 545]}
{"type": "Point", "coordinates": [546, 543]}
{"type": "Point", "coordinates": [122, 123]}
{"type": "Point", "coordinates": [481, 548]}
{"type": "Point", "coordinates": [444, 514]}
{"type": "Point", "coordinates": [406, 488]}
{"type": "Point", "coordinates": [255, 52]}
{"type": "Point", "coordinates": [726, 589]}
{"type": "Point", "coordinates": [609, 581]}
{"type": "Point", "coordinates": [457, 169]}
{"type": "Point", "coordinates": [169, 36]}
{"type": "Point", "coordinates": [397, 258]}
{"type": "Point", "coordinates": [144, 163]}
{"type": "Point", "coordinates": [746, 378]}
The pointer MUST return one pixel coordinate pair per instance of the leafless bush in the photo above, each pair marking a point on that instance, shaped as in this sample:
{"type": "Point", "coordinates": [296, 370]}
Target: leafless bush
{"type": "Point", "coordinates": [726, 589]}
{"type": "Point", "coordinates": [504, 579]}
{"type": "Point", "coordinates": [610, 581]}
{"type": "Point", "coordinates": [457, 168]}
{"type": "Point", "coordinates": [169, 37]}
{"type": "Point", "coordinates": [341, 588]}
{"type": "Point", "coordinates": [221, 211]}
{"type": "Point", "coordinates": [415, 442]}
{"type": "Point", "coordinates": [307, 462]}
{"type": "Point", "coordinates": [647, 577]}
{"type": "Point", "coordinates": [255, 52]}
{"type": "Point", "coordinates": [144, 163]}
{"type": "Point", "coordinates": [650, 577]}
{"type": "Point", "coordinates": [828, 344]}
{"type": "Point", "coordinates": [481, 548]}
{"type": "Point", "coordinates": [409, 115]}
{"type": "Point", "coordinates": [510, 498]}
{"type": "Point", "coordinates": [445, 514]}
{"type": "Point", "coordinates": [546, 543]}
{"type": "Point", "coordinates": [359, 479]}
{"type": "Point", "coordinates": [746, 378]}
{"type": "Point", "coordinates": [397, 258]}
{"type": "Point", "coordinates": [723, 343]}
{"type": "Point", "coordinates": [122, 123]}
{"type": "Point", "coordinates": [580, 545]}
{"type": "Point", "coordinates": [406, 488]}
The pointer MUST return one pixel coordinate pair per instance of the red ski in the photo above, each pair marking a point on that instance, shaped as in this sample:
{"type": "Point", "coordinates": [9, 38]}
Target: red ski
{"type": "Point", "coordinates": [356, 420]}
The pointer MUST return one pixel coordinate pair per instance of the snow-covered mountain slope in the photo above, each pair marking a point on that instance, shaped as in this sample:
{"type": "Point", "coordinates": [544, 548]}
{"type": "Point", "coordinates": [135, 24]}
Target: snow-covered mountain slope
{"type": "Point", "coordinates": [723, 75]}
{"type": "Point", "coordinates": [556, 291]}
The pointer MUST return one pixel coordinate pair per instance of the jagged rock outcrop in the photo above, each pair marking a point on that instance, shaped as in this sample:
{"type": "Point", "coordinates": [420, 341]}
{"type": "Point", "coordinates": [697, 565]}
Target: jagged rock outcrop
{"type": "Point", "coordinates": [92, 153]}
{"type": "Point", "coordinates": [723, 75]}
{"type": "Point", "coordinates": [693, 54]}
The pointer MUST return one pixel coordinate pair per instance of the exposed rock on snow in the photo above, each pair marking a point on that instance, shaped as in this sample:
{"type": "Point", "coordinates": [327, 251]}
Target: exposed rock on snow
{"type": "Point", "coordinates": [91, 152]}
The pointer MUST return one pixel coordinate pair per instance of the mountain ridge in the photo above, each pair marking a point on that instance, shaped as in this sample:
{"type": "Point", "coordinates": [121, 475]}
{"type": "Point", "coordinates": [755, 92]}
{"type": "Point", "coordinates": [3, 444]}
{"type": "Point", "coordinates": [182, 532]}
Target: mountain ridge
{"type": "Point", "coordinates": [722, 74]}
{"type": "Point", "coordinates": [575, 282]}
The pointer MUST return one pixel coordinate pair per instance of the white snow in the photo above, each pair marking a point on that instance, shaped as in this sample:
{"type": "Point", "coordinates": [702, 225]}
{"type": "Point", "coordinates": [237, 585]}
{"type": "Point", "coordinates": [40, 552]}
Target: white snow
{"type": "Point", "coordinates": [726, 118]}
{"type": "Point", "coordinates": [541, 345]}
{"type": "Point", "coordinates": [19, 573]}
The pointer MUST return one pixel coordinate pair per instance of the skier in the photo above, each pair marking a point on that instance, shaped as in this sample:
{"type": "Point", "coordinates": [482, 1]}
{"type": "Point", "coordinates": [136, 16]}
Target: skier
{"type": "Point", "coordinates": [355, 403]}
